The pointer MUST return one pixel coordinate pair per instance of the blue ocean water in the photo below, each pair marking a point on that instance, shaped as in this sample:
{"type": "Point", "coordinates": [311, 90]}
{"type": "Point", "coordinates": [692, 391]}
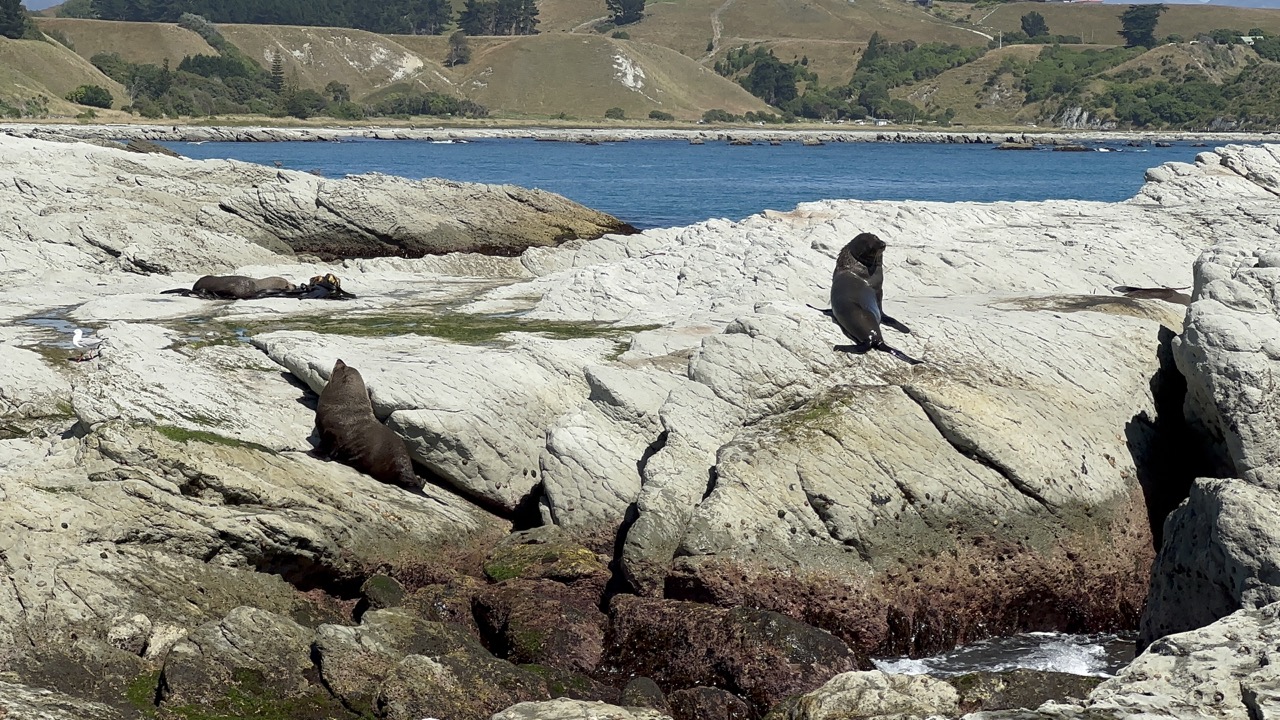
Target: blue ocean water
{"type": "Point", "coordinates": [662, 183]}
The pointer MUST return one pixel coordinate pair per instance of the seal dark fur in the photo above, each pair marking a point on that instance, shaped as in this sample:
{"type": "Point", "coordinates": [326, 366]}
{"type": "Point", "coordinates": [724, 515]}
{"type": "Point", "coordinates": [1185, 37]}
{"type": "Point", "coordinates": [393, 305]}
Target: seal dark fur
{"type": "Point", "coordinates": [352, 435]}
{"type": "Point", "coordinates": [1162, 293]}
{"type": "Point", "coordinates": [234, 287]}
{"type": "Point", "coordinates": [857, 295]}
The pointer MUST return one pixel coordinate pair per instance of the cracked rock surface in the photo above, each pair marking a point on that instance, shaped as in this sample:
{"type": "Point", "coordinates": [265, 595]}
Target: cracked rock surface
{"type": "Point", "coordinates": [665, 399]}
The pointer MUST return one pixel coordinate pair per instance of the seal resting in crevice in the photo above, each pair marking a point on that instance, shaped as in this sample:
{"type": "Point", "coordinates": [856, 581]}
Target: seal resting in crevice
{"type": "Point", "coordinates": [1156, 293]}
{"type": "Point", "coordinates": [351, 434]}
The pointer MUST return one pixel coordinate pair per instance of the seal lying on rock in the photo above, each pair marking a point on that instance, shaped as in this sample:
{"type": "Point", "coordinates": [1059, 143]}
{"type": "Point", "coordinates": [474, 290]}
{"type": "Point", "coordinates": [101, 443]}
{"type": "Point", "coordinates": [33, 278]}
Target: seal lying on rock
{"type": "Point", "coordinates": [1167, 294]}
{"type": "Point", "coordinates": [857, 294]}
{"type": "Point", "coordinates": [351, 434]}
{"type": "Point", "coordinates": [234, 287]}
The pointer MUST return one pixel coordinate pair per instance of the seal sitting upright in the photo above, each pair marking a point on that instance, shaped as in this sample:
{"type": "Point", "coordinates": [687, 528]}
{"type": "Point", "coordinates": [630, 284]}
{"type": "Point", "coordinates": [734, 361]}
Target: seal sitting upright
{"type": "Point", "coordinates": [857, 290]}
{"type": "Point", "coordinates": [351, 434]}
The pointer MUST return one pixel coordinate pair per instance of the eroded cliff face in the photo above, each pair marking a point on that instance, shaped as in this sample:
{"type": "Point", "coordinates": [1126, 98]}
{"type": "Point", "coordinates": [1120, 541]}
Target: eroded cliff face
{"type": "Point", "coordinates": [660, 414]}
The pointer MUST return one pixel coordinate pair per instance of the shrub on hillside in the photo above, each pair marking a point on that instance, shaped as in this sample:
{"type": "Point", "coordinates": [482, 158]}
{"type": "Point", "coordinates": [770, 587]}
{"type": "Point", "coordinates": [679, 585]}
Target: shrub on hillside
{"type": "Point", "coordinates": [1268, 47]}
{"type": "Point", "coordinates": [59, 37]}
{"type": "Point", "coordinates": [92, 95]}
{"type": "Point", "coordinates": [659, 115]}
{"type": "Point", "coordinates": [621, 35]}
{"type": "Point", "coordinates": [718, 115]}
{"type": "Point", "coordinates": [615, 113]}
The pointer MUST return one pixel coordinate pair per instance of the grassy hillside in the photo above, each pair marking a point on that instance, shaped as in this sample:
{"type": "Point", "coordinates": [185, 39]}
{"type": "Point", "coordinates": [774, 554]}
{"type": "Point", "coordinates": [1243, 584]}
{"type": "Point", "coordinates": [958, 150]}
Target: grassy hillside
{"type": "Point", "coordinates": [135, 42]}
{"type": "Point", "coordinates": [1099, 23]}
{"type": "Point", "coordinates": [980, 94]}
{"type": "Point", "coordinates": [32, 69]}
{"type": "Point", "coordinates": [315, 56]}
{"type": "Point", "coordinates": [573, 67]}
{"type": "Point", "coordinates": [637, 77]}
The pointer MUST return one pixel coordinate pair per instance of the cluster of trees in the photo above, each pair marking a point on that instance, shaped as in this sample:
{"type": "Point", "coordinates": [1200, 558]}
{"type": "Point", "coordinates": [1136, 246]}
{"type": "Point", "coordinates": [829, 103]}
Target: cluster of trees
{"type": "Point", "coordinates": [882, 66]}
{"type": "Point", "coordinates": [412, 17]}
{"type": "Point", "coordinates": [622, 12]}
{"type": "Point", "coordinates": [14, 22]}
{"type": "Point", "coordinates": [499, 17]}
{"type": "Point", "coordinates": [1176, 97]}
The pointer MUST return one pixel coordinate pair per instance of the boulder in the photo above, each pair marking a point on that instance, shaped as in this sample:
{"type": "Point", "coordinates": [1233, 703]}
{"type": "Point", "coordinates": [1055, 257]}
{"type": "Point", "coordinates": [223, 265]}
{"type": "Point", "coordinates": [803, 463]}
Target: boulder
{"type": "Point", "coordinates": [121, 211]}
{"type": "Point", "coordinates": [355, 660]}
{"type": "Point", "coordinates": [758, 655]}
{"type": "Point", "coordinates": [709, 703]}
{"type": "Point", "coordinates": [542, 622]}
{"type": "Point", "coordinates": [460, 685]}
{"type": "Point", "coordinates": [644, 692]}
{"type": "Point", "coordinates": [873, 694]}
{"type": "Point", "coordinates": [1219, 551]}
{"type": "Point", "coordinates": [249, 650]}
{"type": "Point", "coordinates": [566, 709]}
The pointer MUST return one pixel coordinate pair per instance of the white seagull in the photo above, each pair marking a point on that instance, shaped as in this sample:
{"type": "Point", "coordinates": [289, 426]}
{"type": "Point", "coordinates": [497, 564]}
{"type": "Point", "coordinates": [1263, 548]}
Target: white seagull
{"type": "Point", "coordinates": [85, 344]}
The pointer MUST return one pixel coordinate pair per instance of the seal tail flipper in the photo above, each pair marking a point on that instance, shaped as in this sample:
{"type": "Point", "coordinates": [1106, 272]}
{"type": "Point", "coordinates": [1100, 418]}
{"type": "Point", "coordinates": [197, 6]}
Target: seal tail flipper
{"type": "Point", "coordinates": [853, 349]}
{"type": "Point", "coordinates": [881, 346]}
{"type": "Point", "coordinates": [824, 311]}
{"type": "Point", "coordinates": [898, 354]}
{"type": "Point", "coordinates": [895, 324]}
{"type": "Point", "coordinates": [176, 291]}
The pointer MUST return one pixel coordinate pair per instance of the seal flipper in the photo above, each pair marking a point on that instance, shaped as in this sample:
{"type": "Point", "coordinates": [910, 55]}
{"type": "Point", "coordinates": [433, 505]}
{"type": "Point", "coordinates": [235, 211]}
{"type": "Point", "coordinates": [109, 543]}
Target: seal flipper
{"type": "Point", "coordinates": [881, 346]}
{"type": "Point", "coordinates": [895, 324]}
{"type": "Point", "coordinates": [824, 311]}
{"type": "Point", "coordinates": [176, 291]}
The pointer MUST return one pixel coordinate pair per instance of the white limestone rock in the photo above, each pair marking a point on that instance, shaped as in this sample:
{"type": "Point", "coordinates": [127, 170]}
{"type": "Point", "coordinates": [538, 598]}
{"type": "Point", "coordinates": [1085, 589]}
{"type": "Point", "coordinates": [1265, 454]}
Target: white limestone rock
{"type": "Point", "coordinates": [567, 709]}
{"type": "Point", "coordinates": [874, 694]}
{"type": "Point", "coordinates": [476, 416]}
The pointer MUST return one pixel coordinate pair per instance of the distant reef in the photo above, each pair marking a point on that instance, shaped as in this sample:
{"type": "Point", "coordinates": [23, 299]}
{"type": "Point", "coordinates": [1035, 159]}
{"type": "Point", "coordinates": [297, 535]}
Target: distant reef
{"type": "Point", "coordinates": [209, 133]}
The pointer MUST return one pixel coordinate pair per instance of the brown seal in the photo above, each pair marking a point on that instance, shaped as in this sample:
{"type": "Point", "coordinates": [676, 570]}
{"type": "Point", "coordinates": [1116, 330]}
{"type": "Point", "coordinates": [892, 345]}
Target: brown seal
{"type": "Point", "coordinates": [351, 434]}
{"type": "Point", "coordinates": [857, 296]}
{"type": "Point", "coordinates": [234, 287]}
{"type": "Point", "coordinates": [1160, 293]}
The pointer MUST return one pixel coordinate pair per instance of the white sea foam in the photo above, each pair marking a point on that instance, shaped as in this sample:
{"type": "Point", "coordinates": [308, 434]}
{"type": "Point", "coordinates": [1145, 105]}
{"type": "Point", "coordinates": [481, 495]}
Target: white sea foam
{"type": "Point", "coordinates": [1099, 655]}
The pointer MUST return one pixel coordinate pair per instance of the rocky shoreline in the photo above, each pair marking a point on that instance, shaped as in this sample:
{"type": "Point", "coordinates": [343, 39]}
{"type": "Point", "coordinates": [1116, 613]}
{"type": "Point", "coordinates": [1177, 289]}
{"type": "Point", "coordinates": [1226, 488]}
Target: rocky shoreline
{"type": "Point", "coordinates": [627, 438]}
{"type": "Point", "coordinates": [203, 133]}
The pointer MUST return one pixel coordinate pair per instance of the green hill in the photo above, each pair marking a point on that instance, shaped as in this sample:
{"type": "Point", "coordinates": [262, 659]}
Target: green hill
{"type": "Point", "coordinates": [38, 74]}
{"type": "Point", "coordinates": [574, 68]}
{"type": "Point", "coordinates": [635, 76]}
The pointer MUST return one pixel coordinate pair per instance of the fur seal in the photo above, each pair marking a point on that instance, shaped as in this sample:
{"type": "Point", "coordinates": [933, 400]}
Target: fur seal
{"type": "Point", "coordinates": [352, 435]}
{"type": "Point", "coordinates": [234, 287]}
{"type": "Point", "coordinates": [1167, 294]}
{"type": "Point", "coordinates": [857, 293]}
{"type": "Point", "coordinates": [321, 287]}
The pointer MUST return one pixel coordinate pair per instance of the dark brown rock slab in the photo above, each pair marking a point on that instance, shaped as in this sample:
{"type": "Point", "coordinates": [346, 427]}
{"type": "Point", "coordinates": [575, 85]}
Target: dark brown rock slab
{"type": "Point", "coordinates": [1016, 689]}
{"type": "Point", "coordinates": [543, 622]}
{"type": "Point", "coordinates": [708, 703]}
{"type": "Point", "coordinates": [459, 686]}
{"type": "Point", "coordinates": [759, 655]}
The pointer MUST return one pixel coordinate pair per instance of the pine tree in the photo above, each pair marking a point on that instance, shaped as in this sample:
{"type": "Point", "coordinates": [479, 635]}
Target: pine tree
{"type": "Point", "coordinates": [277, 71]}
{"type": "Point", "coordinates": [625, 11]}
{"type": "Point", "coordinates": [459, 50]}
{"type": "Point", "coordinates": [1138, 24]}
{"type": "Point", "coordinates": [13, 19]}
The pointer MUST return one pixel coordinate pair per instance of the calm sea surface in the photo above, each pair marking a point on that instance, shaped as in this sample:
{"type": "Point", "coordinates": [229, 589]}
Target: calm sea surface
{"type": "Point", "coordinates": [661, 183]}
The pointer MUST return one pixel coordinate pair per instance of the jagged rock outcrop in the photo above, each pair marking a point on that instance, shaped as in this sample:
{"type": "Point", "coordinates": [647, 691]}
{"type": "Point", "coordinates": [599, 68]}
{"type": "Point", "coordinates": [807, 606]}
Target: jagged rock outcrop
{"type": "Point", "coordinates": [1220, 551]}
{"type": "Point", "coordinates": [667, 402]}
{"type": "Point", "coordinates": [81, 206]}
